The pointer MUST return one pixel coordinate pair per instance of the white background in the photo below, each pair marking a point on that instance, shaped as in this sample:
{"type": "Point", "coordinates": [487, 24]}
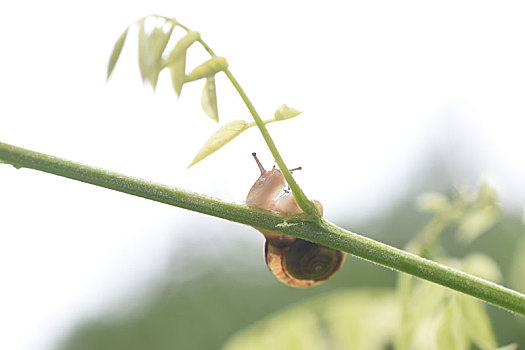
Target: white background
{"type": "Point", "coordinates": [383, 86]}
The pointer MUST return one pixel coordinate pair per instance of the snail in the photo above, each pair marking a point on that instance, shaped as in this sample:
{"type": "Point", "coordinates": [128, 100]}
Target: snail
{"type": "Point", "coordinates": [294, 261]}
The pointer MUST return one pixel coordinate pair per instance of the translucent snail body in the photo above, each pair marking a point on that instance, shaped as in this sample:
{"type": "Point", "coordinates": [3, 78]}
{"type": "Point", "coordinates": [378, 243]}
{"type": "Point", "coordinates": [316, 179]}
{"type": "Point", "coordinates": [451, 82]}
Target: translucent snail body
{"type": "Point", "coordinates": [294, 261]}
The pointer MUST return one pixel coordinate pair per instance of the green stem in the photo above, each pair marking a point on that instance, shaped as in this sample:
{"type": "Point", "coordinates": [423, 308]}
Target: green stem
{"type": "Point", "coordinates": [266, 122]}
{"type": "Point", "coordinates": [302, 225]}
{"type": "Point", "coordinates": [298, 193]}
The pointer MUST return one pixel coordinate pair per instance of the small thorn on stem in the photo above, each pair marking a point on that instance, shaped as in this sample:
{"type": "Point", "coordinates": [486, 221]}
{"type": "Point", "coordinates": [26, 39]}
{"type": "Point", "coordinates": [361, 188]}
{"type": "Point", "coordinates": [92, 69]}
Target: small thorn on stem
{"type": "Point", "coordinates": [295, 169]}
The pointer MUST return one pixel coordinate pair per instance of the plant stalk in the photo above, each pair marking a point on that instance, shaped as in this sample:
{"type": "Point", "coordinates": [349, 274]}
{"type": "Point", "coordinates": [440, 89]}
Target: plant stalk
{"type": "Point", "coordinates": [300, 225]}
{"type": "Point", "coordinates": [298, 193]}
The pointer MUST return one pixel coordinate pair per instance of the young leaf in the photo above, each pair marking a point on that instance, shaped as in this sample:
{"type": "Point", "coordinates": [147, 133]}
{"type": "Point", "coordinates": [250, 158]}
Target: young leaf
{"type": "Point", "coordinates": [487, 195]}
{"type": "Point", "coordinates": [433, 202]}
{"type": "Point", "coordinates": [477, 222]}
{"type": "Point", "coordinates": [209, 98]}
{"type": "Point", "coordinates": [364, 318]}
{"type": "Point", "coordinates": [517, 269]}
{"type": "Point", "coordinates": [117, 49]}
{"type": "Point", "coordinates": [476, 322]}
{"type": "Point", "coordinates": [177, 60]}
{"type": "Point", "coordinates": [285, 112]}
{"type": "Point", "coordinates": [221, 137]}
{"type": "Point", "coordinates": [151, 47]}
{"type": "Point", "coordinates": [211, 67]}
{"type": "Point", "coordinates": [449, 335]}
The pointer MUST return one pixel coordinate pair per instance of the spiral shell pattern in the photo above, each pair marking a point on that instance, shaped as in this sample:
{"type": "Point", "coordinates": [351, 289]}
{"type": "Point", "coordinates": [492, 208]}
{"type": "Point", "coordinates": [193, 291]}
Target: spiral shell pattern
{"type": "Point", "coordinates": [303, 264]}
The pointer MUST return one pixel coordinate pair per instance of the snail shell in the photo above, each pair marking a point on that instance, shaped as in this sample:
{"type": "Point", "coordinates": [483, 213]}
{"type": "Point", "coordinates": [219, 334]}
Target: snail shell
{"type": "Point", "coordinates": [292, 260]}
{"type": "Point", "coordinates": [302, 263]}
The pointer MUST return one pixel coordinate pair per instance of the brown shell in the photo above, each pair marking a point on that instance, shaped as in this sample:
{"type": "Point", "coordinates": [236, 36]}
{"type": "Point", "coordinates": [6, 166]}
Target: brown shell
{"type": "Point", "coordinates": [302, 263]}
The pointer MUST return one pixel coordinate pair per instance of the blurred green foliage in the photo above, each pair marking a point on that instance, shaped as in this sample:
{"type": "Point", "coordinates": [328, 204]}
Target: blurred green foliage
{"type": "Point", "coordinates": [233, 301]}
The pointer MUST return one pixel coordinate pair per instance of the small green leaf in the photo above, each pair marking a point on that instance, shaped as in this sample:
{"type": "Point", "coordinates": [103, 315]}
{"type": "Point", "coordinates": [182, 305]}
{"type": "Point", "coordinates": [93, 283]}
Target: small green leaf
{"type": "Point", "coordinates": [177, 60]}
{"type": "Point", "coordinates": [221, 137]}
{"type": "Point", "coordinates": [211, 67]}
{"type": "Point", "coordinates": [151, 47]}
{"type": "Point", "coordinates": [517, 269]}
{"type": "Point", "coordinates": [476, 322]}
{"type": "Point", "coordinates": [362, 319]}
{"type": "Point", "coordinates": [294, 329]}
{"type": "Point", "coordinates": [117, 49]}
{"type": "Point", "coordinates": [487, 195]}
{"type": "Point", "coordinates": [478, 221]}
{"type": "Point", "coordinates": [423, 307]}
{"type": "Point", "coordinates": [449, 335]}
{"type": "Point", "coordinates": [209, 98]}
{"type": "Point", "coordinates": [433, 202]}
{"type": "Point", "coordinates": [285, 112]}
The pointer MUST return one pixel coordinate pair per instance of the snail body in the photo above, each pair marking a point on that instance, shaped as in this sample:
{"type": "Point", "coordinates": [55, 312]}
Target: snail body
{"type": "Point", "coordinates": [294, 261]}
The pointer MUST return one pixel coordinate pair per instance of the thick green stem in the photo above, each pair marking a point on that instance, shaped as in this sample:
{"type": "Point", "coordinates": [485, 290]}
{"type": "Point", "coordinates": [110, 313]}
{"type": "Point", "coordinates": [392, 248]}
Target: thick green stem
{"type": "Point", "coordinates": [302, 226]}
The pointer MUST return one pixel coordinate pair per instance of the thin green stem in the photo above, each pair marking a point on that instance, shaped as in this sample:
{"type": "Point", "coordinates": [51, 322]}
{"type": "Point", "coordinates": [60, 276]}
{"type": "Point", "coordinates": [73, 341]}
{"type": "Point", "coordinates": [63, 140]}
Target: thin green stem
{"type": "Point", "coordinates": [298, 193]}
{"type": "Point", "coordinates": [302, 225]}
{"type": "Point", "coordinates": [266, 122]}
